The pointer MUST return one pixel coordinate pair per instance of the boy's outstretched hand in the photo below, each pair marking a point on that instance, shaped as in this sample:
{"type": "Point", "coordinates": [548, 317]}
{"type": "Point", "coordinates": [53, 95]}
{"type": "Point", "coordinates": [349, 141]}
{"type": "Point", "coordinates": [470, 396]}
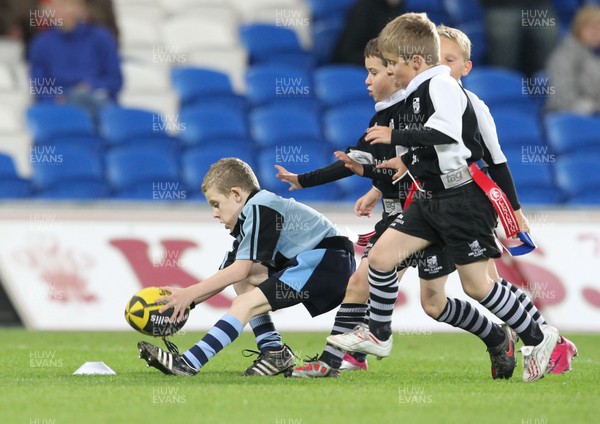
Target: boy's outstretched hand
{"type": "Point", "coordinates": [397, 164]}
{"type": "Point", "coordinates": [179, 299]}
{"type": "Point", "coordinates": [351, 164]}
{"type": "Point", "coordinates": [288, 177]}
{"type": "Point", "coordinates": [379, 134]}
{"type": "Point", "coordinates": [367, 202]}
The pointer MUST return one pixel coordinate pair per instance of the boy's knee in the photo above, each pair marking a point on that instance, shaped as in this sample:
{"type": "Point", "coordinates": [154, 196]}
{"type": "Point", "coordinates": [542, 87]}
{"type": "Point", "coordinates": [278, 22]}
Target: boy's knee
{"type": "Point", "coordinates": [250, 303]}
{"type": "Point", "coordinates": [242, 302]}
{"type": "Point", "coordinates": [433, 306]}
{"type": "Point", "coordinates": [357, 290]}
{"type": "Point", "coordinates": [381, 260]}
{"type": "Point", "coordinates": [240, 287]}
{"type": "Point", "coordinates": [477, 290]}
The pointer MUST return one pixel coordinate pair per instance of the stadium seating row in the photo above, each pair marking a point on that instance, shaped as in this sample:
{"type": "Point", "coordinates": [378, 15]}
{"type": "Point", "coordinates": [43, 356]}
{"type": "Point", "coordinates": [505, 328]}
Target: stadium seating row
{"type": "Point", "coordinates": [322, 106]}
{"type": "Point", "coordinates": [135, 171]}
{"type": "Point", "coordinates": [290, 136]}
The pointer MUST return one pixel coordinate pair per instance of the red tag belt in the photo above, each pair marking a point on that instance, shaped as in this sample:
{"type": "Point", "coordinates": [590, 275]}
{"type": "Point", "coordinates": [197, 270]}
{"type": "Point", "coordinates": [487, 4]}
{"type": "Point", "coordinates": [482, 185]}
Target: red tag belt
{"type": "Point", "coordinates": [498, 199]}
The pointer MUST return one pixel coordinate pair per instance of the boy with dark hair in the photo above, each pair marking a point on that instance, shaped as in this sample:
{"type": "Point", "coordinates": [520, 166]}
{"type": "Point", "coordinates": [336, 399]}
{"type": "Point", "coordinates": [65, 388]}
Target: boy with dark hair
{"type": "Point", "coordinates": [439, 128]}
{"type": "Point", "coordinates": [309, 264]}
{"type": "Point", "coordinates": [387, 93]}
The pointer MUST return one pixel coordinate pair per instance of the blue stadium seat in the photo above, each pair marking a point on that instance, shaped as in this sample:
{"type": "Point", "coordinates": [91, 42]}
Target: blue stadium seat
{"type": "Point", "coordinates": [205, 125]}
{"type": "Point", "coordinates": [499, 87]}
{"type": "Point", "coordinates": [7, 167]}
{"type": "Point", "coordinates": [565, 10]}
{"type": "Point", "coordinates": [354, 187]}
{"type": "Point", "coordinates": [75, 190]}
{"type": "Point", "coordinates": [94, 143]}
{"type": "Point", "coordinates": [236, 104]}
{"type": "Point", "coordinates": [121, 126]}
{"type": "Point", "coordinates": [197, 86]}
{"type": "Point", "coordinates": [14, 188]}
{"type": "Point", "coordinates": [155, 175]}
{"type": "Point", "coordinates": [298, 60]}
{"type": "Point", "coordinates": [323, 193]}
{"type": "Point", "coordinates": [11, 185]}
{"type": "Point", "coordinates": [516, 130]}
{"type": "Point", "coordinates": [337, 85]}
{"type": "Point", "coordinates": [578, 175]}
{"type": "Point", "coordinates": [344, 125]}
{"type": "Point", "coordinates": [542, 196]}
{"type": "Point", "coordinates": [325, 34]}
{"type": "Point", "coordinates": [573, 133]}
{"type": "Point", "coordinates": [276, 125]}
{"type": "Point", "coordinates": [540, 88]}
{"type": "Point", "coordinates": [327, 9]}
{"type": "Point", "coordinates": [435, 9]}
{"type": "Point", "coordinates": [196, 162]}
{"type": "Point", "coordinates": [263, 40]}
{"type": "Point", "coordinates": [72, 170]}
{"type": "Point", "coordinates": [534, 179]}
{"type": "Point", "coordinates": [271, 83]}
{"type": "Point", "coordinates": [47, 121]}
{"type": "Point", "coordinates": [477, 34]}
{"type": "Point", "coordinates": [464, 11]}
{"type": "Point", "coordinates": [585, 199]}
{"type": "Point", "coordinates": [297, 158]}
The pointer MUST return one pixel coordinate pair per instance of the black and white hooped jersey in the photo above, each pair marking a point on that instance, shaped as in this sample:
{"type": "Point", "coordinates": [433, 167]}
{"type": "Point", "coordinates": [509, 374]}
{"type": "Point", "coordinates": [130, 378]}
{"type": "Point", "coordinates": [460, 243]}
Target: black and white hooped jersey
{"type": "Point", "coordinates": [438, 125]}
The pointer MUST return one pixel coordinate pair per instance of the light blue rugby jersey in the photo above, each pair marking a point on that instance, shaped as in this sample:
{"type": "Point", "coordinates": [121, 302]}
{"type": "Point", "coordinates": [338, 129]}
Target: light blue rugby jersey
{"type": "Point", "coordinates": [270, 226]}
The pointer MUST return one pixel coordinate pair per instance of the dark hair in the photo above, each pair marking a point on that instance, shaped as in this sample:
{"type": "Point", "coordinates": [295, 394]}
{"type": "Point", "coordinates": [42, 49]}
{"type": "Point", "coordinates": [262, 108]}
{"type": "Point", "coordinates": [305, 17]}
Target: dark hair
{"type": "Point", "coordinates": [372, 50]}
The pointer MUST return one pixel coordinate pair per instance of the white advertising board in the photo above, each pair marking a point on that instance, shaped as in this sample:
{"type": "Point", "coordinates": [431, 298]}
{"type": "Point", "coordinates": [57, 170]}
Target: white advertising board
{"type": "Point", "coordinates": [76, 268]}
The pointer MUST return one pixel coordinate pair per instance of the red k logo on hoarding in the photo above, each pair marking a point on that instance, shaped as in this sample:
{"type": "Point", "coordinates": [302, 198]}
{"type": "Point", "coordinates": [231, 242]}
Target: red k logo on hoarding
{"type": "Point", "coordinates": [167, 271]}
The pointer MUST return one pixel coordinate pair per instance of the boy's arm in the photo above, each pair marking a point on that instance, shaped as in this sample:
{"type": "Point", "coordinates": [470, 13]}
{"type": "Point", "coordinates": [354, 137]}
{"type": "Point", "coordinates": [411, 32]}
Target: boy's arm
{"type": "Point", "coordinates": [180, 299]}
{"type": "Point", "coordinates": [492, 152]}
{"type": "Point", "coordinates": [501, 175]}
{"type": "Point", "coordinates": [335, 171]}
{"type": "Point", "coordinates": [360, 153]}
{"type": "Point", "coordinates": [367, 168]}
{"type": "Point", "coordinates": [367, 202]}
{"type": "Point", "coordinates": [444, 126]}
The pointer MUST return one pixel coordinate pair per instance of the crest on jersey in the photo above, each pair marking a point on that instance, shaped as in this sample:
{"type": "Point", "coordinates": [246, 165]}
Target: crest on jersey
{"type": "Point", "coordinates": [416, 105]}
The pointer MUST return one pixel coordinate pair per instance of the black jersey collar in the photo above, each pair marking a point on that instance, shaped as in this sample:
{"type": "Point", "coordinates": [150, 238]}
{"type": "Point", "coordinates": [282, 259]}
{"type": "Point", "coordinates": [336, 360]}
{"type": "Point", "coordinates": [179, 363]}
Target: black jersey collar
{"type": "Point", "coordinates": [238, 225]}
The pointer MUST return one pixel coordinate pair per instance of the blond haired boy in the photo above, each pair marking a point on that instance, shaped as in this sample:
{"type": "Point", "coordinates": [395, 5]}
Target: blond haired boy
{"type": "Point", "coordinates": [309, 262]}
{"type": "Point", "coordinates": [439, 127]}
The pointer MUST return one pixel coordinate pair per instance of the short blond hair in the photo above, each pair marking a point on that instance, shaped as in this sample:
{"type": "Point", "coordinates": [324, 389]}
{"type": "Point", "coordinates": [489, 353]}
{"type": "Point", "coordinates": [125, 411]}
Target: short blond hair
{"type": "Point", "coordinates": [228, 173]}
{"type": "Point", "coordinates": [584, 16]}
{"type": "Point", "coordinates": [459, 37]}
{"type": "Point", "coordinates": [411, 34]}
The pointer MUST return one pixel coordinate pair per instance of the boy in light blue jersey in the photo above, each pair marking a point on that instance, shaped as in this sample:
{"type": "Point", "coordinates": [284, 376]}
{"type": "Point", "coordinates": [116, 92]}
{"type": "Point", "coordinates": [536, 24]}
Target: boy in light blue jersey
{"type": "Point", "coordinates": [307, 258]}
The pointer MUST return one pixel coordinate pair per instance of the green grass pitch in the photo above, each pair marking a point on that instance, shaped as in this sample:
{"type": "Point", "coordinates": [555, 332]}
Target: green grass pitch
{"type": "Point", "coordinates": [439, 378]}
